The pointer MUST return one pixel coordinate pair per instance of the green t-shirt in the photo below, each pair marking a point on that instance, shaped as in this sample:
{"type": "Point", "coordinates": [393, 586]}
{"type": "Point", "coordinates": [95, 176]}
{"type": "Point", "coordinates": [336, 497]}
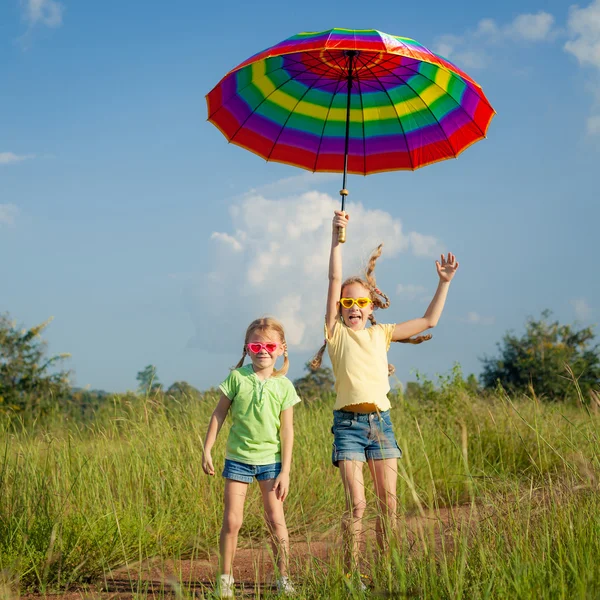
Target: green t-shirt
{"type": "Point", "coordinates": [255, 411]}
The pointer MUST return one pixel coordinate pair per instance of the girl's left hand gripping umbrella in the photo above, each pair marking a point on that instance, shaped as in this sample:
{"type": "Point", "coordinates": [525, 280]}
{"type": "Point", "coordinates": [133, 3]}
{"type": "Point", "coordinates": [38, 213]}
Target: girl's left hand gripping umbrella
{"type": "Point", "coordinates": [350, 101]}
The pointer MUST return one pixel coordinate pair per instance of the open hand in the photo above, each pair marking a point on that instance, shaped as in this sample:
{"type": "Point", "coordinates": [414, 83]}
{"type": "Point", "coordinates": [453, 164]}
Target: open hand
{"type": "Point", "coordinates": [207, 464]}
{"type": "Point", "coordinates": [340, 220]}
{"type": "Point", "coordinates": [281, 487]}
{"type": "Point", "coordinates": [447, 268]}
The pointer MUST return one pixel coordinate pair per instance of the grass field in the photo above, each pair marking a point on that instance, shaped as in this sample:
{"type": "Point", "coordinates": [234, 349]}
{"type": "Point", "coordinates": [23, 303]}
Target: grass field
{"type": "Point", "coordinates": [78, 499]}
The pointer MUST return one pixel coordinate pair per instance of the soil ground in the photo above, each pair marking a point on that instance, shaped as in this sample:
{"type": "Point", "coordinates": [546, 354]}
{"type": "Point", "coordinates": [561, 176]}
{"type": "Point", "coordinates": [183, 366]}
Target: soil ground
{"type": "Point", "coordinates": [253, 569]}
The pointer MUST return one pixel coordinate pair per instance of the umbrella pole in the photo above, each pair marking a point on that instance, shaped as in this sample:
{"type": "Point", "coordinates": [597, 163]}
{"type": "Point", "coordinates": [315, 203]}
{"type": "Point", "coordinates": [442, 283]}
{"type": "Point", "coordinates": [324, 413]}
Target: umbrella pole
{"type": "Point", "coordinates": [344, 192]}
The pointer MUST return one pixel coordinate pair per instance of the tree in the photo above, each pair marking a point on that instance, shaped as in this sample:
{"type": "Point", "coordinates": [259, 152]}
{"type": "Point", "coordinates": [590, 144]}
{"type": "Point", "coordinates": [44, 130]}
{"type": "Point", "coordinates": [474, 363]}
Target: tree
{"type": "Point", "coordinates": [148, 380]}
{"type": "Point", "coordinates": [25, 375]}
{"type": "Point", "coordinates": [540, 359]}
{"type": "Point", "coordinates": [183, 388]}
{"type": "Point", "coordinates": [315, 383]}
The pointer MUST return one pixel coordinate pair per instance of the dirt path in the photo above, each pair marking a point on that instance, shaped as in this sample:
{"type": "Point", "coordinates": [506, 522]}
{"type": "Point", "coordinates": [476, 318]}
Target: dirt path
{"type": "Point", "coordinates": [253, 570]}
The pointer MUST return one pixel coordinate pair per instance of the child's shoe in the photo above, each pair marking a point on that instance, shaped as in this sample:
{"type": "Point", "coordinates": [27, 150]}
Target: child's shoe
{"type": "Point", "coordinates": [225, 587]}
{"type": "Point", "coordinates": [285, 587]}
{"type": "Point", "coordinates": [359, 580]}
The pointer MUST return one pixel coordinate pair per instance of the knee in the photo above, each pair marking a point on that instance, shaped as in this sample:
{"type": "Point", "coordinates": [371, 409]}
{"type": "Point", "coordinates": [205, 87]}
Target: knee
{"type": "Point", "coordinates": [232, 523]}
{"type": "Point", "coordinates": [391, 504]}
{"type": "Point", "coordinates": [274, 521]}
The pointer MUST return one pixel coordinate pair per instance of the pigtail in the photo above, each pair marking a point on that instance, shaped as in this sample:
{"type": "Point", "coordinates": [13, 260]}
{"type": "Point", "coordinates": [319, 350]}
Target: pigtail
{"type": "Point", "coordinates": [241, 359]}
{"type": "Point", "coordinates": [415, 340]}
{"type": "Point", "coordinates": [315, 363]}
{"type": "Point", "coordinates": [380, 300]}
{"type": "Point", "coordinates": [286, 363]}
{"type": "Point", "coordinates": [370, 270]}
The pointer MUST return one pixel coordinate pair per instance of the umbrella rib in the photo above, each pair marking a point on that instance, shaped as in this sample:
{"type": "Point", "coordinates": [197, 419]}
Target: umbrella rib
{"type": "Point", "coordinates": [251, 82]}
{"type": "Point", "coordinates": [362, 108]}
{"type": "Point", "coordinates": [237, 92]}
{"type": "Point", "coordinates": [290, 115]}
{"type": "Point", "coordinates": [412, 167]}
{"type": "Point", "coordinates": [259, 104]}
{"type": "Point", "coordinates": [429, 109]}
{"type": "Point", "coordinates": [315, 67]}
{"type": "Point", "coordinates": [325, 120]}
{"type": "Point", "coordinates": [439, 86]}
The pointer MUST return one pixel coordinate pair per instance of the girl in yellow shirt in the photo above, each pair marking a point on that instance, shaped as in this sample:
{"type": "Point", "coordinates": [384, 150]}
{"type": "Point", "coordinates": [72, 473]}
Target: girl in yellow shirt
{"type": "Point", "coordinates": [361, 422]}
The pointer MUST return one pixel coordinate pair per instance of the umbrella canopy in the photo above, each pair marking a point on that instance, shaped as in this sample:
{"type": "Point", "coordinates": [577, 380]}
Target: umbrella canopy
{"type": "Point", "coordinates": [357, 101]}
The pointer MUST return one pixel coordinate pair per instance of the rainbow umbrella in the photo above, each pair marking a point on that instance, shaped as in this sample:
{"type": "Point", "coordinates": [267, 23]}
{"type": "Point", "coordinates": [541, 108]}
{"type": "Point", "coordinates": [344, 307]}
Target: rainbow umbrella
{"type": "Point", "coordinates": [350, 101]}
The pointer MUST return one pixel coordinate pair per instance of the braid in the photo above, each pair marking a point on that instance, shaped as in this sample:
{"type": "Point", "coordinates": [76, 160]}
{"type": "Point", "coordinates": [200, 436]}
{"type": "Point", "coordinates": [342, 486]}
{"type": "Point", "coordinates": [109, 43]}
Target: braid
{"type": "Point", "coordinates": [286, 363]}
{"type": "Point", "coordinates": [415, 340]}
{"type": "Point", "coordinates": [380, 300]}
{"type": "Point", "coordinates": [315, 363]}
{"type": "Point", "coordinates": [370, 270]}
{"type": "Point", "coordinates": [242, 359]}
{"type": "Point", "coordinates": [379, 303]}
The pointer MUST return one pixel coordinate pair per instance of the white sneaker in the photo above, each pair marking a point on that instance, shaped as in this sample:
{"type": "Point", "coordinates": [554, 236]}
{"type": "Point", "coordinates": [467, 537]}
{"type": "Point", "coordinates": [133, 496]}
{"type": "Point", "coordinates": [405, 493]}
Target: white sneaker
{"type": "Point", "coordinates": [285, 587]}
{"type": "Point", "coordinates": [360, 581]}
{"type": "Point", "coordinates": [225, 587]}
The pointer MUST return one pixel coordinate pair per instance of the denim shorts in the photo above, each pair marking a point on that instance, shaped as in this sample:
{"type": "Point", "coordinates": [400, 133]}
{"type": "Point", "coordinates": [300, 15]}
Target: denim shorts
{"type": "Point", "coordinates": [239, 471]}
{"type": "Point", "coordinates": [363, 437]}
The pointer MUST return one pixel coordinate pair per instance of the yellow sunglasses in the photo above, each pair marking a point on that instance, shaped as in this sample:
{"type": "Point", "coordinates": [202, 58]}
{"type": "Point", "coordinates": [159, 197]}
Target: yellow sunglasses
{"type": "Point", "coordinates": [360, 302]}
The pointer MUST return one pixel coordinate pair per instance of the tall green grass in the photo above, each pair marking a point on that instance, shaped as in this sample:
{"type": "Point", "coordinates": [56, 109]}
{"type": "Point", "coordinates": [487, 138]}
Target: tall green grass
{"type": "Point", "coordinates": [79, 498]}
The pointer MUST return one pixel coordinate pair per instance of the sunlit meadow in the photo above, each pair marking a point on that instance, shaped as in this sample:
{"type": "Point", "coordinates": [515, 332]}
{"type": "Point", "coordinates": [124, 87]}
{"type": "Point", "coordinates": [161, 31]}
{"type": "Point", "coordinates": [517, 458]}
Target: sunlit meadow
{"type": "Point", "coordinates": [82, 497]}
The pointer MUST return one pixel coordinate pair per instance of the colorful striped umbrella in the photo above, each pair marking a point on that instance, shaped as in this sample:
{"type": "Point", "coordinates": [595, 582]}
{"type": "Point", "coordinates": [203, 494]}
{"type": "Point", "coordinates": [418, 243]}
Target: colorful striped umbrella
{"type": "Point", "coordinates": [350, 101]}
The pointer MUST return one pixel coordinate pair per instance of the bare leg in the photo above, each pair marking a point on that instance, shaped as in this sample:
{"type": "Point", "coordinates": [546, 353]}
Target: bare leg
{"type": "Point", "coordinates": [275, 519]}
{"type": "Point", "coordinates": [233, 516]}
{"type": "Point", "coordinates": [385, 476]}
{"type": "Point", "coordinates": [354, 490]}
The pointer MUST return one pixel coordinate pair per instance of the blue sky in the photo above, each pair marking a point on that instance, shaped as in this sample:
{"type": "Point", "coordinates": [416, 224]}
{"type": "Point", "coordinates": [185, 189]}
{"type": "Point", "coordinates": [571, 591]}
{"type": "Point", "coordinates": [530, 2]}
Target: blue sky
{"type": "Point", "coordinates": [129, 219]}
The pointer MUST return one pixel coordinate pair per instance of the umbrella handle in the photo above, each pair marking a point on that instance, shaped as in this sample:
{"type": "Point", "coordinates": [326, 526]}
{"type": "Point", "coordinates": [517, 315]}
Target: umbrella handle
{"type": "Point", "coordinates": [342, 230]}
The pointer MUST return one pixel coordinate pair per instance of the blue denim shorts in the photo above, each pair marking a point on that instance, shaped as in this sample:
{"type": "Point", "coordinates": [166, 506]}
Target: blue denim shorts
{"type": "Point", "coordinates": [363, 437]}
{"type": "Point", "coordinates": [239, 471]}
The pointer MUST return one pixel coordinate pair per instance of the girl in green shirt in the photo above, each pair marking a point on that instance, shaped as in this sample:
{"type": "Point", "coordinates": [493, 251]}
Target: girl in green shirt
{"type": "Point", "coordinates": [260, 400]}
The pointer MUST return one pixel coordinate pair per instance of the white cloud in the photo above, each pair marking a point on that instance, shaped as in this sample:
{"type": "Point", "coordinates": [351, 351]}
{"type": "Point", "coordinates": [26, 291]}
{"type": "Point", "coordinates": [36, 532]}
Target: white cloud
{"type": "Point", "coordinates": [410, 291]}
{"type": "Point", "coordinates": [584, 27]}
{"type": "Point", "coordinates": [593, 125]}
{"type": "Point", "coordinates": [282, 267]}
{"type": "Point", "coordinates": [476, 319]}
{"type": "Point", "coordinates": [533, 28]}
{"type": "Point", "coordinates": [583, 310]}
{"type": "Point", "coordinates": [424, 245]}
{"type": "Point", "coordinates": [44, 12]}
{"type": "Point", "coordinates": [227, 239]}
{"type": "Point", "coordinates": [8, 212]}
{"type": "Point", "coordinates": [8, 158]}
{"type": "Point", "coordinates": [470, 50]}
{"type": "Point", "coordinates": [294, 185]}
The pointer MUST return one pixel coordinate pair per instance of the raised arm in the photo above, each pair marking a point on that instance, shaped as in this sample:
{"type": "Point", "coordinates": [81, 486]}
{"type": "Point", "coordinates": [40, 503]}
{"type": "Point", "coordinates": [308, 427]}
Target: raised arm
{"type": "Point", "coordinates": [446, 271]}
{"type": "Point", "coordinates": [214, 426]}
{"type": "Point", "coordinates": [335, 271]}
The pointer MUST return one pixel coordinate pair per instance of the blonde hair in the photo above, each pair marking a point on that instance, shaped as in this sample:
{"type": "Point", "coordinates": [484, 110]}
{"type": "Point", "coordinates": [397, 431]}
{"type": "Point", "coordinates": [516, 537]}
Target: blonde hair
{"type": "Point", "coordinates": [263, 325]}
{"type": "Point", "coordinates": [379, 300]}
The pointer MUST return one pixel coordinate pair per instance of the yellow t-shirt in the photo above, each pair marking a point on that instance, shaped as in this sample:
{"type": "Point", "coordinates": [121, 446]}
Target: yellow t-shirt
{"type": "Point", "coordinates": [360, 364]}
